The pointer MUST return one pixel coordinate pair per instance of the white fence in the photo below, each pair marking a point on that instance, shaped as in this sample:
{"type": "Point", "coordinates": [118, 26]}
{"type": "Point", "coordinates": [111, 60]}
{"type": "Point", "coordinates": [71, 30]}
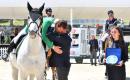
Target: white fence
{"type": "Point", "coordinates": [3, 50]}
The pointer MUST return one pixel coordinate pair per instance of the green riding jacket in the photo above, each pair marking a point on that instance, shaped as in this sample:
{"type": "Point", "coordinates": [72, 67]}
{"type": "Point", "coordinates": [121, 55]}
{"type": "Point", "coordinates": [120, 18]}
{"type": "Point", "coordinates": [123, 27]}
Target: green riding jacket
{"type": "Point", "coordinates": [47, 21]}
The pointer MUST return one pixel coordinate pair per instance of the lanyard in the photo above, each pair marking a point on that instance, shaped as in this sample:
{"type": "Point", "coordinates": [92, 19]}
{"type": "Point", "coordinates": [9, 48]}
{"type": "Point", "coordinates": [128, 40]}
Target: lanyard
{"type": "Point", "coordinates": [115, 45]}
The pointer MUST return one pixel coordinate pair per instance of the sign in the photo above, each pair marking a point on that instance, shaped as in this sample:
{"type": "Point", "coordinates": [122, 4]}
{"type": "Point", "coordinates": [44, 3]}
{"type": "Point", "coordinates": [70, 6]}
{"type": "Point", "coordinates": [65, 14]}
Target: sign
{"type": "Point", "coordinates": [113, 55]}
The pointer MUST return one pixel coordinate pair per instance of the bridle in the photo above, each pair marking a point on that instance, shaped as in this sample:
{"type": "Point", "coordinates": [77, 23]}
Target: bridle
{"type": "Point", "coordinates": [38, 26]}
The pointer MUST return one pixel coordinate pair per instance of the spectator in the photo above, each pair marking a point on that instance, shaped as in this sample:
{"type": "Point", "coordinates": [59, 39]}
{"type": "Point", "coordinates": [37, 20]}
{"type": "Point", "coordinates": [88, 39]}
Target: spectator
{"type": "Point", "coordinates": [16, 32]}
{"type": "Point", "coordinates": [93, 49]}
{"type": "Point", "coordinates": [2, 35]}
{"type": "Point", "coordinates": [100, 43]}
{"type": "Point", "coordinates": [117, 72]}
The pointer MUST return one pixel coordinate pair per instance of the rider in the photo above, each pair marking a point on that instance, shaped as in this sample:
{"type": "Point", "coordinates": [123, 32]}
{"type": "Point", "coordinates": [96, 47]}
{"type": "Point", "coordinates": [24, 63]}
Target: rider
{"type": "Point", "coordinates": [48, 12]}
{"type": "Point", "coordinates": [47, 21]}
{"type": "Point", "coordinates": [110, 21]}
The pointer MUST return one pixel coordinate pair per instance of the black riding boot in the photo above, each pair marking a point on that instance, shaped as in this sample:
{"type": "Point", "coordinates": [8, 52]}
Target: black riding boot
{"type": "Point", "coordinates": [9, 50]}
{"type": "Point", "coordinates": [14, 45]}
{"type": "Point", "coordinates": [11, 47]}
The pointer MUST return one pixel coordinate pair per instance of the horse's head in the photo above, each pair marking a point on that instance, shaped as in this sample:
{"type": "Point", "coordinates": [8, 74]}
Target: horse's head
{"type": "Point", "coordinates": [34, 19]}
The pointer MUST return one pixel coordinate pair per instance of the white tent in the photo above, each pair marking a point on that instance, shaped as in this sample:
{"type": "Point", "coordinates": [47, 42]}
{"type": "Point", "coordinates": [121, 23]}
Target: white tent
{"type": "Point", "coordinates": [11, 9]}
{"type": "Point", "coordinates": [67, 3]}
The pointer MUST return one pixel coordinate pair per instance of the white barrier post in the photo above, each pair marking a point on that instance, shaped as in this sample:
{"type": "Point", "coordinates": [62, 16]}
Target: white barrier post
{"type": "Point", "coordinates": [3, 52]}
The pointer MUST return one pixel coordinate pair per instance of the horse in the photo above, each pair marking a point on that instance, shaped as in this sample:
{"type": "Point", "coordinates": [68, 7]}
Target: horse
{"type": "Point", "coordinates": [31, 59]}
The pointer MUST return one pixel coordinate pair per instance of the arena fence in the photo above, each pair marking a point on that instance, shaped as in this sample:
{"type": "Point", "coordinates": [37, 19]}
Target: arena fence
{"type": "Point", "coordinates": [3, 50]}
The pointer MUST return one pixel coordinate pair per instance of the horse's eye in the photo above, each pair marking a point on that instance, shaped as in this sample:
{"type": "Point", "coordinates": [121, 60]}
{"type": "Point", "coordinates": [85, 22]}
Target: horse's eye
{"type": "Point", "coordinates": [28, 17]}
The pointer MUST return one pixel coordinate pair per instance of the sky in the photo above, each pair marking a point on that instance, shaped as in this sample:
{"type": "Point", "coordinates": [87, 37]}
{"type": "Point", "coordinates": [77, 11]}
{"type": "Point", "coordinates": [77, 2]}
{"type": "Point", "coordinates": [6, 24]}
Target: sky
{"type": "Point", "coordinates": [66, 3]}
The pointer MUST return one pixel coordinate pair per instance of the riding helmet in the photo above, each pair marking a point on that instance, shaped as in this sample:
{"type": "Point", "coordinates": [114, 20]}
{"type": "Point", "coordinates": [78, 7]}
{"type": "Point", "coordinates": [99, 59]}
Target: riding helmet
{"type": "Point", "coordinates": [48, 10]}
{"type": "Point", "coordinates": [110, 11]}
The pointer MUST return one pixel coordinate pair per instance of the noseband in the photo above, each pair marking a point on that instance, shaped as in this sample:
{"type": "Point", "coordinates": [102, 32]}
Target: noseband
{"type": "Point", "coordinates": [38, 26]}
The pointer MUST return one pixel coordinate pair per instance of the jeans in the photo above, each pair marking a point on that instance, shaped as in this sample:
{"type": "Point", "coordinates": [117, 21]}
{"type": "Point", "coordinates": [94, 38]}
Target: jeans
{"type": "Point", "coordinates": [93, 56]}
{"type": "Point", "coordinates": [63, 73]}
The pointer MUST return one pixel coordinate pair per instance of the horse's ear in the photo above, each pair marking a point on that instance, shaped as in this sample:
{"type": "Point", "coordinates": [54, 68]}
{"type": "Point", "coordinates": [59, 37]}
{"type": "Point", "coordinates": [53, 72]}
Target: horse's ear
{"type": "Point", "coordinates": [29, 6]}
{"type": "Point", "coordinates": [42, 7]}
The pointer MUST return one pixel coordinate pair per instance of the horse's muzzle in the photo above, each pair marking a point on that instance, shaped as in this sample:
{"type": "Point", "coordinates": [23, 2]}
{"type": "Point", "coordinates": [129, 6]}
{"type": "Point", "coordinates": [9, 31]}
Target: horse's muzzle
{"type": "Point", "coordinates": [32, 34]}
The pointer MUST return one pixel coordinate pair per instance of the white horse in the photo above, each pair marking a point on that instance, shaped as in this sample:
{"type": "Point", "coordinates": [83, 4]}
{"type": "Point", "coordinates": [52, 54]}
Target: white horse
{"type": "Point", "coordinates": [31, 57]}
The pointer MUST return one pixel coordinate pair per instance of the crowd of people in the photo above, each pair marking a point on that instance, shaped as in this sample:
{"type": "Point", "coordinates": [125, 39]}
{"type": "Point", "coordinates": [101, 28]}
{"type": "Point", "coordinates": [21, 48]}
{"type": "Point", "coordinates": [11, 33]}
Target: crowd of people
{"type": "Point", "coordinates": [7, 34]}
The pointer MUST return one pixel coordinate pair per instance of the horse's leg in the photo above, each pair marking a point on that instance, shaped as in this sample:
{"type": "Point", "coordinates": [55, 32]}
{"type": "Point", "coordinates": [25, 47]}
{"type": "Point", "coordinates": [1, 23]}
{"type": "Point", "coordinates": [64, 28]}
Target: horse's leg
{"type": "Point", "coordinates": [40, 76]}
{"type": "Point", "coordinates": [56, 75]}
{"type": "Point", "coordinates": [22, 76]}
{"type": "Point", "coordinates": [32, 77]}
{"type": "Point", "coordinates": [53, 73]}
{"type": "Point", "coordinates": [14, 73]}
